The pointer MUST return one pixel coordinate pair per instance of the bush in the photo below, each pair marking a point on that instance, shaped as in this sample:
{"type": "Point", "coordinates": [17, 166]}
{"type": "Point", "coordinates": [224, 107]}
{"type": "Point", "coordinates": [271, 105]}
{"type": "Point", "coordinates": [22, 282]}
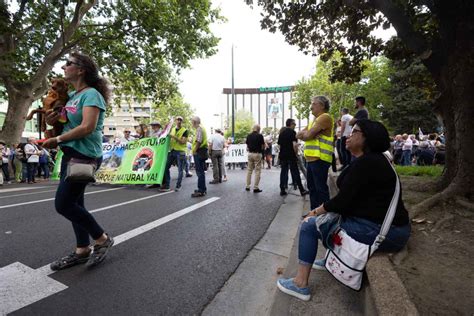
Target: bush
{"type": "Point", "coordinates": [426, 171]}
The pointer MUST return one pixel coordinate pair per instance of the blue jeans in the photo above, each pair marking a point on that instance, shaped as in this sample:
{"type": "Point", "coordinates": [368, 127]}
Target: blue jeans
{"type": "Point", "coordinates": [31, 169]}
{"type": "Point", "coordinates": [180, 158]}
{"type": "Point", "coordinates": [24, 171]}
{"type": "Point", "coordinates": [200, 166]}
{"type": "Point", "coordinates": [317, 182]}
{"type": "Point", "coordinates": [406, 158]}
{"type": "Point", "coordinates": [188, 163]}
{"type": "Point", "coordinates": [295, 174]}
{"type": "Point", "coordinates": [360, 229]}
{"type": "Point", "coordinates": [345, 154]}
{"type": "Point", "coordinates": [44, 168]}
{"type": "Point", "coordinates": [69, 202]}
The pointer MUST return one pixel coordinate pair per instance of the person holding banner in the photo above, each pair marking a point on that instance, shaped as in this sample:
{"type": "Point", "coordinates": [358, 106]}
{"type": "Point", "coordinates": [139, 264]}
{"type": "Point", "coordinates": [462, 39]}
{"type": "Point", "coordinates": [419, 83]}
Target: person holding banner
{"type": "Point", "coordinates": [200, 154]}
{"type": "Point", "coordinates": [177, 154]}
{"type": "Point", "coordinates": [156, 129]}
{"type": "Point", "coordinates": [81, 139]}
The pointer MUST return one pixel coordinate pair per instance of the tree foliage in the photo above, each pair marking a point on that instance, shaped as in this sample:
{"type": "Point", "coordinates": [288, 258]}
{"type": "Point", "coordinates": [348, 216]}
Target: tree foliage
{"type": "Point", "coordinates": [413, 92]}
{"type": "Point", "coordinates": [139, 45]}
{"type": "Point", "coordinates": [172, 107]}
{"type": "Point", "coordinates": [347, 27]}
{"type": "Point", "coordinates": [437, 32]}
{"type": "Point", "coordinates": [374, 85]}
{"type": "Point", "coordinates": [243, 126]}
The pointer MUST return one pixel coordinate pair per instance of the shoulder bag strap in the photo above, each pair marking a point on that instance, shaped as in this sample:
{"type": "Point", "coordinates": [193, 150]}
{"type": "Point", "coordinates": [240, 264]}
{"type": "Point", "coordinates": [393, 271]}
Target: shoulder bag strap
{"type": "Point", "coordinates": [387, 222]}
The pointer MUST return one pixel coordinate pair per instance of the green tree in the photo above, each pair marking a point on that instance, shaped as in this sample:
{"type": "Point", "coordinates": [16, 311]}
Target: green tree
{"type": "Point", "coordinates": [138, 44]}
{"type": "Point", "coordinates": [438, 32]}
{"type": "Point", "coordinates": [172, 107]}
{"type": "Point", "coordinates": [339, 93]}
{"type": "Point", "coordinates": [243, 126]}
{"type": "Point", "coordinates": [374, 85]}
{"type": "Point", "coordinates": [412, 90]}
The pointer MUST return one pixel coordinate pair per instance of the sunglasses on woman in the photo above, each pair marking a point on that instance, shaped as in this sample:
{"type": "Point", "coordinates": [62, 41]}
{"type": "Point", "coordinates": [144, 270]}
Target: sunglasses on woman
{"type": "Point", "coordinates": [70, 62]}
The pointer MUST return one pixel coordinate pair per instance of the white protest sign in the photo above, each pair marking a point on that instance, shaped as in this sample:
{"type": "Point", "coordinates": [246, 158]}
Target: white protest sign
{"type": "Point", "coordinates": [236, 153]}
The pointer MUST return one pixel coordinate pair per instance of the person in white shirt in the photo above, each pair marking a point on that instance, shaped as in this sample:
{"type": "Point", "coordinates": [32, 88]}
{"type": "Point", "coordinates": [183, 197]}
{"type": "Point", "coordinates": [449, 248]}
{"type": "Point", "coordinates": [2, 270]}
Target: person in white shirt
{"type": "Point", "coordinates": [156, 129]}
{"type": "Point", "coordinates": [5, 152]}
{"type": "Point", "coordinates": [275, 154]}
{"type": "Point", "coordinates": [216, 150]}
{"type": "Point", "coordinates": [127, 137]}
{"type": "Point", "coordinates": [414, 150]}
{"type": "Point", "coordinates": [345, 132]}
{"type": "Point", "coordinates": [406, 150]}
{"type": "Point", "coordinates": [32, 153]}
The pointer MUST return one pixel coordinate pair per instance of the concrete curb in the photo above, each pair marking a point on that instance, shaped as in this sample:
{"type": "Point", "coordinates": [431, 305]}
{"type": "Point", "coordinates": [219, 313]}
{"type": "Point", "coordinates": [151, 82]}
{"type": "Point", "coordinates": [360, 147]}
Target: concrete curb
{"type": "Point", "coordinates": [389, 295]}
{"type": "Point", "coordinates": [251, 289]}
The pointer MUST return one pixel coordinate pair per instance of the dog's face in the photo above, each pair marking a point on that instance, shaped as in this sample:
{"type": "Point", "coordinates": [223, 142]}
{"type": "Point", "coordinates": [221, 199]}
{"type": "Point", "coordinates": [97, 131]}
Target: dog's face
{"type": "Point", "coordinates": [59, 85]}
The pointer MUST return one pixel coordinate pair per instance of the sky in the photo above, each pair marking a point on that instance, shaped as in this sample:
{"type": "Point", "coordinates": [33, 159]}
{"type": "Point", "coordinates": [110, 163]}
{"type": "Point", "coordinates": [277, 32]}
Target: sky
{"type": "Point", "coordinates": [261, 59]}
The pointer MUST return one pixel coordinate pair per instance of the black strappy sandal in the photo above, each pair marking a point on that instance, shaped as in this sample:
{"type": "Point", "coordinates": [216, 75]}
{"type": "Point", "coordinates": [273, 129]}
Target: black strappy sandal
{"type": "Point", "coordinates": [69, 261]}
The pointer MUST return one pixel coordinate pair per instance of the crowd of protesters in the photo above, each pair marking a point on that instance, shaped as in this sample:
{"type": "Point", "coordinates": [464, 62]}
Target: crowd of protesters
{"type": "Point", "coordinates": [426, 150]}
{"type": "Point", "coordinates": [25, 162]}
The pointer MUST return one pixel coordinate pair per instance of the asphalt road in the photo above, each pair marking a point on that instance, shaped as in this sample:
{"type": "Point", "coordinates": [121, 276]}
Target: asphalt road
{"type": "Point", "coordinates": [175, 268]}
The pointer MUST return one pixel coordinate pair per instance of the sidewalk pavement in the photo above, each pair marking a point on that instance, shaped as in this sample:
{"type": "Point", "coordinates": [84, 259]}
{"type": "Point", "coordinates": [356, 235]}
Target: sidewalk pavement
{"type": "Point", "coordinates": [252, 289]}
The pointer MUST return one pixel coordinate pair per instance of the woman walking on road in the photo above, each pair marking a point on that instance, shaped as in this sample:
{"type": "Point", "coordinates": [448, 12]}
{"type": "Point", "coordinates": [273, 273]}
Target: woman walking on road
{"type": "Point", "coordinates": [81, 139]}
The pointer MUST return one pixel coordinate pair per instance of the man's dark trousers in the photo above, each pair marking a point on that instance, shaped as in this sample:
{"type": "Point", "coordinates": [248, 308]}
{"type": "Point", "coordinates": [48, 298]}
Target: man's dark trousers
{"type": "Point", "coordinates": [295, 174]}
{"type": "Point", "coordinates": [317, 182]}
{"type": "Point", "coordinates": [345, 154]}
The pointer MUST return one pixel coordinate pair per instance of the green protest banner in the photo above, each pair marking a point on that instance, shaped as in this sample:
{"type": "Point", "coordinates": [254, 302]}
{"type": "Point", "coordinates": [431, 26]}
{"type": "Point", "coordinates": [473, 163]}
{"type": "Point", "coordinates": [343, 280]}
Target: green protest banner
{"type": "Point", "coordinates": [142, 161]}
{"type": "Point", "coordinates": [57, 165]}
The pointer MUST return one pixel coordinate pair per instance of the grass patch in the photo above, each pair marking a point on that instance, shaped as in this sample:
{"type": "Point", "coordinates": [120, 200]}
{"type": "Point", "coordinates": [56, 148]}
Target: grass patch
{"type": "Point", "coordinates": [424, 171]}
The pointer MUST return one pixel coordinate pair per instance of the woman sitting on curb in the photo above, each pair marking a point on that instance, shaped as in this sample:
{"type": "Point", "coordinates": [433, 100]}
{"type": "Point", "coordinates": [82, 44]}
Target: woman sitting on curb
{"type": "Point", "coordinates": [366, 188]}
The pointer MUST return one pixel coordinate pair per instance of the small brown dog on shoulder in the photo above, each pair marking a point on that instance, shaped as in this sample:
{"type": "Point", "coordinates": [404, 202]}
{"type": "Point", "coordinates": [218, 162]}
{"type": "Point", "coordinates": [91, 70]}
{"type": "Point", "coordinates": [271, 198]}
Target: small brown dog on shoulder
{"type": "Point", "coordinates": [55, 100]}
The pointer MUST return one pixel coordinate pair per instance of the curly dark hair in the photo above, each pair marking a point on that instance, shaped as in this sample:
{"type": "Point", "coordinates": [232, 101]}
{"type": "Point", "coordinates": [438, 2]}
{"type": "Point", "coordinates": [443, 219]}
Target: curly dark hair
{"type": "Point", "coordinates": [92, 77]}
{"type": "Point", "coordinates": [376, 136]}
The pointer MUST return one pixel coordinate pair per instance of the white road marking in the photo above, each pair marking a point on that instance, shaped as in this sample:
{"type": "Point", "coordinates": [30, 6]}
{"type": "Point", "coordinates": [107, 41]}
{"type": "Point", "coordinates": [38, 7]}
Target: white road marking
{"type": "Point", "coordinates": [29, 193]}
{"type": "Point", "coordinates": [21, 189]}
{"type": "Point", "coordinates": [128, 202]}
{"type": "Point", "coordinates": [143, 229]}
{"type": "Point", "coordinates": [21, 286]}
{"type": "Point", "coordinates": [51, 199]}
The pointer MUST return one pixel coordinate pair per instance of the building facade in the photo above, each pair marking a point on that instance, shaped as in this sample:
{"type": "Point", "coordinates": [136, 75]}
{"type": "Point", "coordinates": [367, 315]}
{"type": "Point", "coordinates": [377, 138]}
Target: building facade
{"type": "Point", "coordinates": [269, 106]}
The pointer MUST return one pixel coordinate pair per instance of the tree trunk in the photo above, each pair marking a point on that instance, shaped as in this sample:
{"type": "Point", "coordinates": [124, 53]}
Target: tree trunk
{"type": "Point", "coordinates": [460, 141]}
{"type": "Point", "coordinates": [19, 101]}
{"type": "Point", "coordinates": [455, 81]}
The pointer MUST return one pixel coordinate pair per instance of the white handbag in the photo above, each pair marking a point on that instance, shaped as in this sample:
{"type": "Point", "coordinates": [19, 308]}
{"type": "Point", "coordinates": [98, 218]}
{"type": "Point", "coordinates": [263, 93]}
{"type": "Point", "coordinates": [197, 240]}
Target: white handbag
{"type": "Point", "coordinates": [347, 259]}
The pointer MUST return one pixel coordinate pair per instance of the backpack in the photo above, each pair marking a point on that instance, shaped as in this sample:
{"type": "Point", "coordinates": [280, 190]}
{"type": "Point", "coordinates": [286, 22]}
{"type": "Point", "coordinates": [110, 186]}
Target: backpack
{"type": "Point", "coordinates": [20, 154]}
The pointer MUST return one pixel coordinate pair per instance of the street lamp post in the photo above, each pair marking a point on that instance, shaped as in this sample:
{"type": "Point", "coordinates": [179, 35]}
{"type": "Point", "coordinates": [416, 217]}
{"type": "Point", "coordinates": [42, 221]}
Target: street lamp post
{"type": "Point", "coordinates": [233, 95]}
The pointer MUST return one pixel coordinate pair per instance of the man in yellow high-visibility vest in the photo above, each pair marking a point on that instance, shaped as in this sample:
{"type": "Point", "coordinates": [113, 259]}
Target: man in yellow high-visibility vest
{"type": "Point", "coordinates": [200, 155]}
{"type": "Point", "coordinates": [318, 150]}
{"type": "Point", "coordinates": [177, 154]}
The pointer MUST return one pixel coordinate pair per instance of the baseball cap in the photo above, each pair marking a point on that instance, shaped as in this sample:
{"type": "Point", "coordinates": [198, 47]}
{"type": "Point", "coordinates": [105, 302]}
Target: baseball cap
{"type": "Point", "coordinates": [155, 123]}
